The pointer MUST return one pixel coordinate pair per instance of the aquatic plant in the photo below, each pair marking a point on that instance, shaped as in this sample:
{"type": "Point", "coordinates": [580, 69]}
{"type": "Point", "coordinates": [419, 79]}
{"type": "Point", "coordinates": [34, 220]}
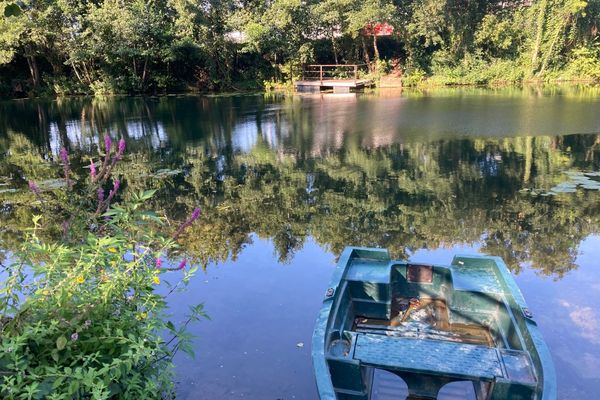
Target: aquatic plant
{"type": "Point", "coordinates": [84, 317]}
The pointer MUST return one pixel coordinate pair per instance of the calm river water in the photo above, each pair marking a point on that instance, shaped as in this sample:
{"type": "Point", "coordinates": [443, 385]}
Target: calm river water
{"type": "Point", "coordinates": [285, 182]}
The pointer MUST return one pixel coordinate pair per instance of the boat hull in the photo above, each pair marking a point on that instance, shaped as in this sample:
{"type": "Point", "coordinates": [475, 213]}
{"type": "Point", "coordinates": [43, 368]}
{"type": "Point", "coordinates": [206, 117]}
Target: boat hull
{"type": "Point", "coordinates": [430, 325]}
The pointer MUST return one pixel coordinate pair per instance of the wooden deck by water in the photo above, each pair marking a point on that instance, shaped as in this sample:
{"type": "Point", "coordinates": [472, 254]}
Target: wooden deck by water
{"type": "Point", "coordinates": [342, 78]}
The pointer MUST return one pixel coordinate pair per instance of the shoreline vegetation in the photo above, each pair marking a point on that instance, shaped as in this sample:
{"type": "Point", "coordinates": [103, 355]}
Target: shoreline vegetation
{"type": "Point", "coordinates": [55, 48]}
{"type": "Point", "coordinates": [82, 315]}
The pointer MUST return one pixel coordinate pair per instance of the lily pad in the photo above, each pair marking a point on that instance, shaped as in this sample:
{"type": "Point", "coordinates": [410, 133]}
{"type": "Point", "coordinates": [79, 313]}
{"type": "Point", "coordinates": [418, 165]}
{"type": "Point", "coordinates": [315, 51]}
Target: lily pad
{"type": "Point", "coordinates": [574, 173]}
{"type": "Point", "coordinates": [52, 184]}
{"type": "Point", "coordinates": [580, 179]}
{"type": "Point", "coordinates": [591, 185]}
{"type": "Point", "coordinates": [563, 189]}
{"type": "Point", "coordinates": [584, 180]}
{"type": "Point", "coordinates": [165, 173]}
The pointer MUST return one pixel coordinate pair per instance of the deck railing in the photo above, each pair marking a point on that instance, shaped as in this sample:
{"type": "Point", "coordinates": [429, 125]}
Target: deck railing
{"type": "Point", "coordinates": [324, 72]}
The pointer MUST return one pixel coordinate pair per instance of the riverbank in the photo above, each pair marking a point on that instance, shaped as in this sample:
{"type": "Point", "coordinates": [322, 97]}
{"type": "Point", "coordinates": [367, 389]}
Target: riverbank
{"type": "Point", "coordinates": [391, 81]}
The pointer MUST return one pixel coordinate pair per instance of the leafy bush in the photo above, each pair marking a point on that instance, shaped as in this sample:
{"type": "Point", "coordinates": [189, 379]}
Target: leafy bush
{"type": "Point", "coordinates": [413, 77]}
{"type": "Point", "coordinates": [584, 63]}
{"type": "Point", "coordinates": [82, 318]}
{"type": "Point", "coordinates": [474, 70]}
{"type": "Point", "coordinates": [64, 86]}
{"type": "Point", "coordinates": [103, 87]}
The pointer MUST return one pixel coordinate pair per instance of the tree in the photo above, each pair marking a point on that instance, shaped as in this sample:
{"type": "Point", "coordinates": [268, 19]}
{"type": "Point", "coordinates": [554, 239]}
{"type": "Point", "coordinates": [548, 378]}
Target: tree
{"type": "Point", "coordinates": [32, 30]}
{"type": "Point", "coordinates": [331, 21]}
{"type": "Point", "coordinates": [368, 13]}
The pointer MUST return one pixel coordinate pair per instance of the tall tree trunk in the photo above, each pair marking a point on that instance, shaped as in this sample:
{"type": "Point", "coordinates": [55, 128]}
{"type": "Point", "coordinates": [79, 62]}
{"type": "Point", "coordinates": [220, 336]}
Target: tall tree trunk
{"type": "Point", "coordinates": [33, 70]}
{"type": "Point", "coordinates": [145, 72]}
{"type": "Point", "coordinates": [87, 73]}
{"type": "Point", "coordinates": [375, 50]}
{"type": "Point", "coordinates": [76, 73]}
{"type": "Point", "coordinates": [541, 22]}
{"type": "Point", "coordinates": [365, 51]}
{"type": "Point", "coordinates": [334, 48]}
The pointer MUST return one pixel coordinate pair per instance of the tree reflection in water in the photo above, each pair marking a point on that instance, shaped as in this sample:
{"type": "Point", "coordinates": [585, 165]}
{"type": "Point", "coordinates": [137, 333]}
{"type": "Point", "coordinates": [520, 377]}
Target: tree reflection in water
{"type": "Point", "coordinates": [286, 169]}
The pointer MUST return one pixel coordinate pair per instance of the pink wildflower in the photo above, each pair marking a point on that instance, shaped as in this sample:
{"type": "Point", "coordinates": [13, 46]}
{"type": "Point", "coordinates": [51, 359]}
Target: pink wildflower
{"type": "Point", "coordinates": [107, 143]}
{"type": "Point", "coordinates": [182, 264]}
{"type": "Point", "coordinates": [64, 156]}
{"type": "Point", "coordinates": [195, 214]}
{"type": "Point", "coordinates": [111, 194]}
{"type": "Point", "coordinates": [158, 263]}
{"type": "Point", "coordinates": [120, 149]}
{"type": "Point", "coordinates": [93, 170]}
{"type": "Point", "coordinates": [186, 224]}
{"type": "Point", "coordinates": [34, 188]}
{"type": "Point", "coordinates": [116, 185]}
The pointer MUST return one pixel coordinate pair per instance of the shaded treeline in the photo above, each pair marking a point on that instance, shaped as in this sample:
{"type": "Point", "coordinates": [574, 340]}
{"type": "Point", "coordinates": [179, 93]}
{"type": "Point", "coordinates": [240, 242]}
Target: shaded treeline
{"type": "Point", "coordinates": [141, 46]}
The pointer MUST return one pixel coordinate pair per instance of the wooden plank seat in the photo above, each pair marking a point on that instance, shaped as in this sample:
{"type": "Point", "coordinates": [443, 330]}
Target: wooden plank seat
{"type": "Point", "coordinates": [432, 357]}
{"type": "Point", "coordinates": [480, 337]}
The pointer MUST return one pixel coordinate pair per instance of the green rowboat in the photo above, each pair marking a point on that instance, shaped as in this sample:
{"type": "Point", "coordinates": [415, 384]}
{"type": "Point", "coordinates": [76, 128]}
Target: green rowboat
{"type": "Point", "coordinates": [430, 325]}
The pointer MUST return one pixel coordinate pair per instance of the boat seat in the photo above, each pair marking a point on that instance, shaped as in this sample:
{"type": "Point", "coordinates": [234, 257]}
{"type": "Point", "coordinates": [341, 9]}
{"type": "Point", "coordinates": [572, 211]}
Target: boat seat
{"type": "Point", "coordinates": [433, 357]}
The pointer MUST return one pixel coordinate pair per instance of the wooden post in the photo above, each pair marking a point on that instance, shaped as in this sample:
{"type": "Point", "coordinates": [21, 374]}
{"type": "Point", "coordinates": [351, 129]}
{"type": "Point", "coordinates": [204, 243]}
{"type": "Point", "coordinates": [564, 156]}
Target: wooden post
{"type": "Point", "coordinates": [321, 74]}
{"type": "Point", "coordinates": [355, 74]}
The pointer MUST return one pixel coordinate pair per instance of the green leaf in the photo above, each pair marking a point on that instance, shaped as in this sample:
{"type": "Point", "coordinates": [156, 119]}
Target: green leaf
{"type": "Point", "coordinates": [45, 388]}
{"type": "Point", "coordinates": [12, 10]}
{"type": "Point", "coordinates": [147, 194]}
{"type": "Point", "coordinates": [188, 349]}
{"type": "Point", "coordinates": [61, 342]}
{"type": "Point", "coordinates": [59, 381]}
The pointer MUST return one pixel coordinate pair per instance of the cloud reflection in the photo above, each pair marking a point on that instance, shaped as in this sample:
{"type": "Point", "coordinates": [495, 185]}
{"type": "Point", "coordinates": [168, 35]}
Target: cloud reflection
{"type": "Point", "coordinates": [585, 318]}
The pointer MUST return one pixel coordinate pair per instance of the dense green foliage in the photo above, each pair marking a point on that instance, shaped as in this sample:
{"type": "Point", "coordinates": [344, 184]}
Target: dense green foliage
{"type": "Point", "coordinates": [80, 312]}
{"type": "Point", "coordinates": [114, 46]}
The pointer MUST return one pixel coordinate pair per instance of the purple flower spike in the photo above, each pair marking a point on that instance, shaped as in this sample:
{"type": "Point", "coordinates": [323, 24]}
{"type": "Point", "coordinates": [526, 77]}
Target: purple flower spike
{"type": "Point", "coordinates": [182, 264]}
{"type": "Point", "coordinates": [107, 143]}
{"type": "Point", "coordinates": [115, 189]}
{"type": "Point", "coordinates": [100, 195]}
{"type": "Point", "coordinates": [120, 150]}
{"type": "Point", "coordinates": [34, 188]}
{"type": "Point", "coordinates": [188, 223]}
{"type": "Point", "coordinates": [64, 156]}
{"type": "Point", "coordinates": [116, 185]}
{"type": "Point", "coordinates": [195, 214]}
{"type": "Point", "coordinates": [158, 263]}
{"type": "Point", "coordinates": [93, 170]}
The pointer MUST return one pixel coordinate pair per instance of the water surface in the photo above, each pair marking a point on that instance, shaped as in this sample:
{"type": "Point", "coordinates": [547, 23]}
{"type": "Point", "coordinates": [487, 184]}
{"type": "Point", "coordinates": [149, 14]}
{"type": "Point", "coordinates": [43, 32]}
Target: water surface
{"type": "Point", "coordinates": [286, 182]}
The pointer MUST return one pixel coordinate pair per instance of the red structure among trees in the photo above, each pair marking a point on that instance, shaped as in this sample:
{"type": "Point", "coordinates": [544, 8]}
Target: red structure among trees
{"type": "Point", "coordinates": [379, 29]}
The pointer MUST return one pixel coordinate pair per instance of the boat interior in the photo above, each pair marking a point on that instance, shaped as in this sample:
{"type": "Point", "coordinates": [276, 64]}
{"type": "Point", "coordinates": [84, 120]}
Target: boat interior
{"type": "Point", "coordinates": [466, 327]}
